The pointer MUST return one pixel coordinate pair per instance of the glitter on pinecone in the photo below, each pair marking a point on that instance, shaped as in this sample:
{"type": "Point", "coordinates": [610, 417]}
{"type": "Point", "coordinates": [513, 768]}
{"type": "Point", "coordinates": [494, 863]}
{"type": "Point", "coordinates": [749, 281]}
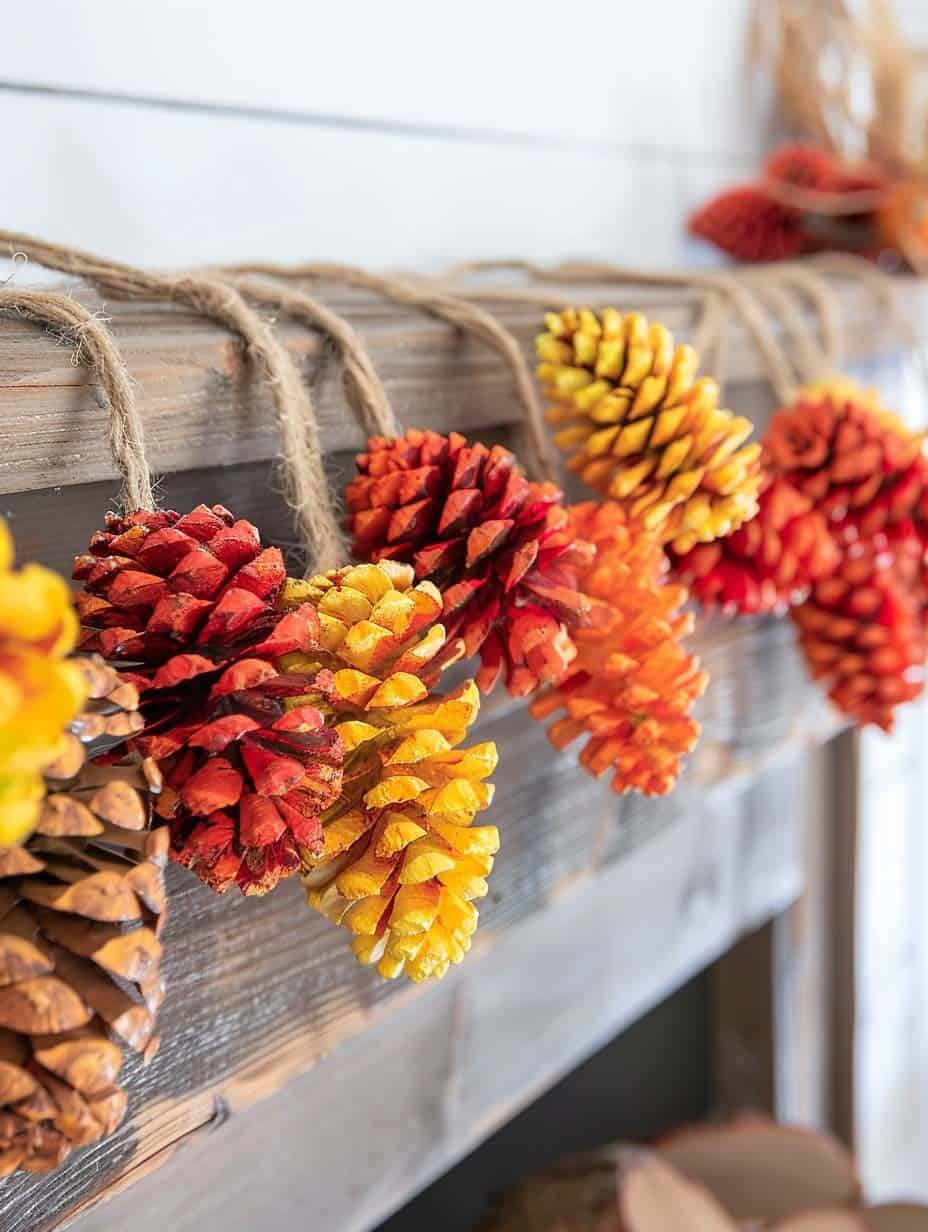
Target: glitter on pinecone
{"type": "Point", "coordinates": [40, 692]}
{"type": "Point", "coordinates": [640, 429]}
{"type": "Point", "coordinates": [632, 685]}
{"type": "Point", "coordinates": [749, 225]}
{"type": "Point", "coordinates": [767, 564]}
{"type": "Point", "coordinates": [862, 633]}
{"type": "Point", "coordinates": [82, 903]}
{"type": "Point", "coordinates": [186, 607]}
{"type": "Point", "coordinates": [851, 457]}
{"type": "Point", "coordinates": [494, 543]}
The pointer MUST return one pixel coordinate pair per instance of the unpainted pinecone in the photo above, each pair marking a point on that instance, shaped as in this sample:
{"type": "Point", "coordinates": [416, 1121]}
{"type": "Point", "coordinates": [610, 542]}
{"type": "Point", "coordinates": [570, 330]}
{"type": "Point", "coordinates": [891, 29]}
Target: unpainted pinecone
{"type": "Point", "coordinates": [81, 908]}
{"type": "Point", "coordinates": [639, 428]}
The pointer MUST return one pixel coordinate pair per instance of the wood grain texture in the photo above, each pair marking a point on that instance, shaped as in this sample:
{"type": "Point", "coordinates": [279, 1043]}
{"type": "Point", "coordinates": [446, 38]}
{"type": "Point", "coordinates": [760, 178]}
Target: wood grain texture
{"type": "Point", "coordinates": [378, 1119]}
{"type": "Point", "coordinates": [204, 405]}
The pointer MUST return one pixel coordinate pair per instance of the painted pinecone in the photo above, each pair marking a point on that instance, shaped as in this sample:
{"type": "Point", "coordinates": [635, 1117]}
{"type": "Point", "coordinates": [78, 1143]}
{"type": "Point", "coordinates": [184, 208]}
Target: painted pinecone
{"type": "Point", "coordinates": [401, 862]}
{"type": "Point", "coordinates": [851, 457]}
{"type": "Point", "coordinates": [640, 429]}
{"type": "Point", "coordinates": [496, 545]}
{"type": "Point", "coordinates": [632, 685]}
{"type": "Point", "coordinates": [81, 909]}
{"type": "Point", "coordinates": [767, 564]}
{"type": "Point", "coordinates": [862, 632]}
{"type": "Point", "coordinates": [41, 692]}
{"type": "Point", "coordinates": [186, 608]}
{"type": "Point", "coordinates": [747, 224]}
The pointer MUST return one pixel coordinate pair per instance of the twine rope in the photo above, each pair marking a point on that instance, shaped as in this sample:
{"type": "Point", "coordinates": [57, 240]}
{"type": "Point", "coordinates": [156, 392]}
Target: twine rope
{"type": "Point", "coordinates": [364, 389]}
{"type": "Point", "coordinates": [777, 367]}
{"type": "Point", "coordinates": [458, 312]}
{"type": "Point", "coordinates": [308, 491]}
{"type": "Point", "coordinates": [94, 343]}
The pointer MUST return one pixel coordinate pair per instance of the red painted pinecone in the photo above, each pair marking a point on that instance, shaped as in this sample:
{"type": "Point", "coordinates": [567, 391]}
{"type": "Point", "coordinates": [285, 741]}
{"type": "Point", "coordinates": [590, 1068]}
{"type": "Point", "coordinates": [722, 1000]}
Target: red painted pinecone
{"type": "Point", "coordinates": [861, 629]}
{"type": "Point", "coordinates": [851, 457]}
{"type": "Point", "coordinates": [767, 564]}
{"type": "Point", "coordinates": [804, 166]}
{"type": "Point", "coordinates": [748, 225]}
{"type": "Point", "coordinates": [496, 545]}
{"type": "Point", "coordinates": [185, 607]}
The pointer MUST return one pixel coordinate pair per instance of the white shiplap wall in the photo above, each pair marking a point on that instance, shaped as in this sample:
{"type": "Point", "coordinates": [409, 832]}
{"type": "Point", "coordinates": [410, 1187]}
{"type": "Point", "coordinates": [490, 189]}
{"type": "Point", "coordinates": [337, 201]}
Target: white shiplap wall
{"type": "Point", "coordinates": [418, 133]}
{"type": "Point", "coordinates": [413, 133]}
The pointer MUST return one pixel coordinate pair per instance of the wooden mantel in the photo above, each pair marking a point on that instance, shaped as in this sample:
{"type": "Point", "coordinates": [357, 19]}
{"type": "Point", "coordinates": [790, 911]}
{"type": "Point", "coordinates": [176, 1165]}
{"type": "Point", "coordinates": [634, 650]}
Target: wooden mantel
{"type": "Point", "coordinates": [598, 908]}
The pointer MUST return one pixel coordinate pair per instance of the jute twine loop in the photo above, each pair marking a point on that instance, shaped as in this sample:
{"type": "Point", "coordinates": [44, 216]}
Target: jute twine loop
{"type": "Point", "coordinates": [94, 343]}
{"type": "Point", "coordinates": [777, 367]}
{"type": "Point", "coordinates": [363, 387]}
{"type": "Point", "coordinates": [456, 311]}
{"type": "Point", "coordinates": [308, 492]}
{"type": "Point", "coordinates": [808, 356]}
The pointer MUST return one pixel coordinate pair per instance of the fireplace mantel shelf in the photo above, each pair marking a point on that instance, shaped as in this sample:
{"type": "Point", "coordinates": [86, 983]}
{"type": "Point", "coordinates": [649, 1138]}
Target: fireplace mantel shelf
{"type": "Point", "coordinates": [272, 1036]}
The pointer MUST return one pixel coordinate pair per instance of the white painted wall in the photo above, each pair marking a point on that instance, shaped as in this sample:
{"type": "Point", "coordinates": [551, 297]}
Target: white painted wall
{"type": "Point", "coordinates": [413, 133]}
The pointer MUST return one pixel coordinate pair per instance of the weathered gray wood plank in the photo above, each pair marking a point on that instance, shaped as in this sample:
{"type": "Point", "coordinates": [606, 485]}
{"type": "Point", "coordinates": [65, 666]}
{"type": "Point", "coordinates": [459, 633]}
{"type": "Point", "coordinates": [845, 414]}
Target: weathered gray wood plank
{"type": "Point", "coordinates": [203, 403]}
{"type": "Point", "coordinates": [388, 1111]}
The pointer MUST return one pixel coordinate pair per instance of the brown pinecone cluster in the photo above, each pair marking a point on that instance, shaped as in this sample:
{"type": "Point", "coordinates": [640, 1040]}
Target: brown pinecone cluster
{"type": "Point", "coordinates": [82, 903]}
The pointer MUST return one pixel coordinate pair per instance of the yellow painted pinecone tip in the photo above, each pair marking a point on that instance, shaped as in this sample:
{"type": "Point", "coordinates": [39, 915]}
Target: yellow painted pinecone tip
{"type": "Point", "coordinates": [640, 427]}
{"type": "Point", "coordinates": [402, 862]}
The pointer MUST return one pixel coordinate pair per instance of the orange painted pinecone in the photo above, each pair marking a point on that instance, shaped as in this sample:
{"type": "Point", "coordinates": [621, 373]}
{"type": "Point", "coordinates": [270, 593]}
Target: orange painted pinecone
{"type": "Point", "coordinates": [767, 564]}
{"type": "Point", "coordinates": [640, 429]}
{"type": "Point", "coordinates": [632, 685]}
{"type": "Point", "coordinates": [401, 861]}
{"type": "Point", "coordinates": [82, 903]}
{"type": "Point", "coordinates": [496, 545]}
{"type": "Point", "coordinates": [851, 457]}
{"type": "Point", "coordinates": [186, 607]}
{"type": "Point", "coordinates": [861, 630]}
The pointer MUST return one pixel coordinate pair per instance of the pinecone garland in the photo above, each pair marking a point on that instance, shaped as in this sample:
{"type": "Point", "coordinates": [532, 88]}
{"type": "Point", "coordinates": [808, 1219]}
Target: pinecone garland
{"type": "Point", "coordinates": [640, 429]}
{"type": "Point", "coordinates": [851, 457]}
{"type": "Point", "coordinates": [400, 861]}
{"type": "Point", "coordinates": [767, 564]}
{"type": "Point", "coordinates": [862, 633]}
{"type": "Point", "coordinates": [632, 686]}
{"type": "Point", "coordinates": [40, 692]}
{"type": "Point", "coordinates": [81, 909]}
{"type": "Point", "coordinates": [468, 520]}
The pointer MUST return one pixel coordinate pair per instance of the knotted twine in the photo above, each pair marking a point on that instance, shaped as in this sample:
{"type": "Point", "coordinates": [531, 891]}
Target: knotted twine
{"type": "Point", "coordinates": [308, 492]}
{"type": "Point", "coordinates": [94, 343]}
{"type": "Point", "coordinates": [461, 313]}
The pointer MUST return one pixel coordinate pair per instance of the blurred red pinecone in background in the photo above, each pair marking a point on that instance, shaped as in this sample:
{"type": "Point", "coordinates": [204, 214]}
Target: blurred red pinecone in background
{"type": "Point", "coordinates": [768, 563]}
{"type": "Point", "coordinates": [497, 546]}
{"type": "Point", "coordinates": [749, 225]}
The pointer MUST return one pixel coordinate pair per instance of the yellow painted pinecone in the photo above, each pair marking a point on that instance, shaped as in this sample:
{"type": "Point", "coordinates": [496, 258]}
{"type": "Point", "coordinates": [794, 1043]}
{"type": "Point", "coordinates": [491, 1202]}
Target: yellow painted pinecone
{"type": "Point", "coordinates": [40, 690]}
{"type": "Point", "coordinates": [402, 861]}
{"type": "Point", "coordinates": [641, 429]}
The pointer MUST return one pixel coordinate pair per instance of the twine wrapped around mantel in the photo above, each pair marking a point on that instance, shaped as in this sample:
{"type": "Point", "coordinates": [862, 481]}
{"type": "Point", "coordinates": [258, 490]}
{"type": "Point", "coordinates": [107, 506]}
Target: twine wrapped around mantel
{"type": "Point", "coordinates": [308, 492]}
